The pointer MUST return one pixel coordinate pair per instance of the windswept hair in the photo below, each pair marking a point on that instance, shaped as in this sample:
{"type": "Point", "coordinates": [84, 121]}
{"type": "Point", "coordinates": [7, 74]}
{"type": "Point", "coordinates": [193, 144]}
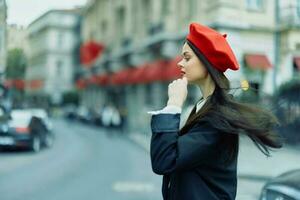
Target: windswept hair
{"type": "Point", "coordinates": [234, 118]}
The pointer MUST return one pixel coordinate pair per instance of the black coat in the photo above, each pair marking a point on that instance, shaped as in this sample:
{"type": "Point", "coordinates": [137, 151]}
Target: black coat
{"type": "Point", "coordinates": [192, 164]}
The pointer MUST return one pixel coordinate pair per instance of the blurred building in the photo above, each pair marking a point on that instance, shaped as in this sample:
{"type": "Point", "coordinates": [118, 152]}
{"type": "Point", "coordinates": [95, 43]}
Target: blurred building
{"type": "Point", "coordinates": [141, 36]}
{"type": "Point", "coordinates": [3, 16]}
{"type": "Point", "coordinates": [17, 37]}
{"type": "Point", "coordinates": [289, 40]}
{"type": "Point", "coordinates": [53, 40]}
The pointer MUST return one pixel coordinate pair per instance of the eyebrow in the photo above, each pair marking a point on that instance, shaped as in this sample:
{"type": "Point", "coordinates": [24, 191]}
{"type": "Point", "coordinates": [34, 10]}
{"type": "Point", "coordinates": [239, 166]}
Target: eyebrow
{"type": "Point", "coordinates": [184, 53]}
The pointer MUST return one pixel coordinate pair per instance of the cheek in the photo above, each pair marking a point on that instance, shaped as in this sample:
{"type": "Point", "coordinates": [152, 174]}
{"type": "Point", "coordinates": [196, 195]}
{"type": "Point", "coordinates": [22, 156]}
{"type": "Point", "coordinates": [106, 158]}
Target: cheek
{"type": "Point", "coordinates": [196, 71]}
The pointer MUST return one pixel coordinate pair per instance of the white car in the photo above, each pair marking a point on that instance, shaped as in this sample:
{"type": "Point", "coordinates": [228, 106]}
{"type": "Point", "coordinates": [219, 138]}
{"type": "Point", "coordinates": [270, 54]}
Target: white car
{"type": "Point", "coordinates": [38, 112]}
{"type": "Point", "coordinates": [41, 113]}
{"type": "Point", "coordinates": [25, 129]}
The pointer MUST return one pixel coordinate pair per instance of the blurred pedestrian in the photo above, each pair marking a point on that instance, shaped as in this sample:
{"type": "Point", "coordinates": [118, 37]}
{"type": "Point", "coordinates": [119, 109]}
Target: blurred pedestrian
{"type": "Point", "coordinates": [199, 161]}
{"type": "Point", "coordinates": [107, 115]}
{"type": "Point", "coordinates": [115, 118]}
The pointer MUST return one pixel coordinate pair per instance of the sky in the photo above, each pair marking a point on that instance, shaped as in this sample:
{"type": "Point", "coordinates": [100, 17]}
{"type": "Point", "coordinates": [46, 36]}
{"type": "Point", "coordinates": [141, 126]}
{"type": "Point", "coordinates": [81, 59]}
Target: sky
{"type": "Point", "coordinates": [23, 12]}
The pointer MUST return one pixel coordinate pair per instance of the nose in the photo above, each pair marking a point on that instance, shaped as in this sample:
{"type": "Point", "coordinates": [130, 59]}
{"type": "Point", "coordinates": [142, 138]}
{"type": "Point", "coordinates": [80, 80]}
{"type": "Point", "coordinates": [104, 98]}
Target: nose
{"type": "Point", "coordinates": [179, 64]}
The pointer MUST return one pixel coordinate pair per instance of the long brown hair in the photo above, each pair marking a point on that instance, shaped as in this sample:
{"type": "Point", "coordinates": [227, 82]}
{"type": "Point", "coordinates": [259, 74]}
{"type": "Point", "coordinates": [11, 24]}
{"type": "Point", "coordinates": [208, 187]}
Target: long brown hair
{"type": "Point", "coordinates": [233, 118]}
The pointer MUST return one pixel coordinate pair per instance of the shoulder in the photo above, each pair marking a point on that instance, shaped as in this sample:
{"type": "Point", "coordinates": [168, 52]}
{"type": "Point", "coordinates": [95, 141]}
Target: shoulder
{"type": "Point", "coordinates": [204, 124]}
{"type": "Point", "coordinates": [204, 128]}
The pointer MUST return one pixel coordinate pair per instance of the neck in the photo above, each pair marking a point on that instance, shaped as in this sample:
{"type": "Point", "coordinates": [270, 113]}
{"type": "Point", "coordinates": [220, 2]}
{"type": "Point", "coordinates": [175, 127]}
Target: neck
{"type": "Point", "coordinates": [207, 87]}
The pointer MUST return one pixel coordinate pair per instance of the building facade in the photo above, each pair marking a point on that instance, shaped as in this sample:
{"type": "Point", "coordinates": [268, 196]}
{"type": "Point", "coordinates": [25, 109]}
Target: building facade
{"type": "Point", "coordinates": [135, 32]}
{"type": "Point", "coordinates": [289, 40]}
{"type": "Point", "coordinates": [17, 37]}
{"type": "Point", "coordinates": [53, 39]}
{"type": "Point", "coordinates": [3, 16]}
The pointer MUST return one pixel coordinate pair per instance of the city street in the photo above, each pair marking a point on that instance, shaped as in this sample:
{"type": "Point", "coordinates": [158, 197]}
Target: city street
{"type": "Point", "coordinates": [89, 71]}
{"type": "Point", "coordinates": [86, 162]}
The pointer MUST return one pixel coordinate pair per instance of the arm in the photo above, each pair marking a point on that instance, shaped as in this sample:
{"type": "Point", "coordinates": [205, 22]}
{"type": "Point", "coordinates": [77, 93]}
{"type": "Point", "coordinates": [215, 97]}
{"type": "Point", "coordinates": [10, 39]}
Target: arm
{"type": "Point", "coordinates": [170, 109]}
{"type": "Point", "coordinates": [170, 152]}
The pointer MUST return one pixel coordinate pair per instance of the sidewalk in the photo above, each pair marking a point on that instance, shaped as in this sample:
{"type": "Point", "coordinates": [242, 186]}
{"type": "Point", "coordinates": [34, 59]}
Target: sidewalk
{"type": "Point", "coordinates": [252, 164]}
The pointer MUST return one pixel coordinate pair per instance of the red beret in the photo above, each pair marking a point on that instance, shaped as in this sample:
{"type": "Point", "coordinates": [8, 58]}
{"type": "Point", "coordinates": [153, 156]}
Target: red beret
{"type": "Point", "coordinates": [213, 46]}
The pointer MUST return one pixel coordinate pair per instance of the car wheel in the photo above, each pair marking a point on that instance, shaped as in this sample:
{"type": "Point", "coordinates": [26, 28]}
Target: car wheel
{"type": "Point", "coordinates": [49, 140]}
{"type": "Point", "coordinates": [36, 144]}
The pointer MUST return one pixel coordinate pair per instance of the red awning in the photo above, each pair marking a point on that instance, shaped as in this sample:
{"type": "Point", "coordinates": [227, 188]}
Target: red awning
{"type": "Point", "coordinates": [159, 70]}
{"type": "Point", "coordinates": [8, 83]}
{"type": "Point", "coordinates": [16, 83]}
{"type": "Point", "coordinates": [138, 74]}
{"type": "Point", "coordinates": [102, 79]}
{"type": "Point", "coordinates": [172, 71]}
{"type": "Point", "coordinates": [81, 83]}
{"type": "Point", "coordinates": [116, 78]}
{"type": "Point", "coordinates": [297, 62]}
{"type": "Point", "coordinates": [257, 61]}
{"type": "Point", "coordinates": [19, 84]}
{"type": "Point", "coordinates": [162, 70]}
{"type": "Point", "coordinates": [122, 77]}
{"type": "Point", "coordinates": [154, 71]}
{"type": "Point", "coordinates": [89, 52]}
{"type": "Point", "coordinates": [92, 80]}
{"type": "Point", "coordinates": [35, 84]}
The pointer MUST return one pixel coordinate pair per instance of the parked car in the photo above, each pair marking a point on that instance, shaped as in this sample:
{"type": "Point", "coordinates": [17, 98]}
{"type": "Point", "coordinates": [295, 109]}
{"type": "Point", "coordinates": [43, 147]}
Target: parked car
{"type": "Point", "coordinates": [42, 114]}
{"type": "Point", "coordinates": [284, 187]}
{"type": "Point", "coordinates": [84, 114]}
{"type": "Point", "coordinates": [24, 130]}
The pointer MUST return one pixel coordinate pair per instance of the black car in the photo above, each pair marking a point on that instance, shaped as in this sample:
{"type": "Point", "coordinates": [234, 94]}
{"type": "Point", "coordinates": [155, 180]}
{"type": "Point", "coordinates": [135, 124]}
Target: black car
{"type": "Point", "coordinates": [284, 187]}
{"type": "Point", "coordinates": [24, 130]}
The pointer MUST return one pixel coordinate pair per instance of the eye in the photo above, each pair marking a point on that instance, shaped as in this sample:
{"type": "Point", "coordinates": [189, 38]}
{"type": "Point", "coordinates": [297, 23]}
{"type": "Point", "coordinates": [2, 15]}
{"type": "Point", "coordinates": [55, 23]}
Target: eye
{"type": "Point", "coordinates": [187, 58]}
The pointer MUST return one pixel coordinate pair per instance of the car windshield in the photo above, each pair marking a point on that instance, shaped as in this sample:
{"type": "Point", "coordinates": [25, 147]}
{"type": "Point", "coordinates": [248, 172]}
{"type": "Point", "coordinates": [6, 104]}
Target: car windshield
{"type": "Point", "coordinates": [38, 113]}
{"type": "Point", "coordinates": [19, 119]}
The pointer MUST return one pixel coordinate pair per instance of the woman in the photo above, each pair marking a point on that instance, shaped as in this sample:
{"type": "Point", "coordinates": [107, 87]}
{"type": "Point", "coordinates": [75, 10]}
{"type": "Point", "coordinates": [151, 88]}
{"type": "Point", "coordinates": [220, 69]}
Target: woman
{"type": "Point", "coordinates": [199, 161]}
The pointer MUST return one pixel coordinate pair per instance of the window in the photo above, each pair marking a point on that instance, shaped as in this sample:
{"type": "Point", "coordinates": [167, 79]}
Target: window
{"type": "Point", "coordinates": [121, 21]}
{"type": "Point", "coordinates": [60, 39]}
{"type": "Point", "coordinates": [59, 68]}
{"type": "Point", "coordinates": [146, 13]}
{"type": "Point", "coordinates": [254, 4]}
{"type": "Point", "coordinates": [165, 8]}
{"type": "Point", "coordinates": [103, 28]}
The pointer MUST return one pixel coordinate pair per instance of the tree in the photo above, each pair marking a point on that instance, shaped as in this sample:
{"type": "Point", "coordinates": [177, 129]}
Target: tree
{"type": "Point", "coordinates": [71, 97]}
{"type": "Point", "coordinates": [16, 64]}
{"type": "Point", "coordinates": [15, 71]}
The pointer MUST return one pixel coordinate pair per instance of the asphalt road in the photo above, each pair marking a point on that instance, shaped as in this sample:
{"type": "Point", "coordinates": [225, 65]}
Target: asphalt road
{"type": "Point", "coordinates": [88, 163]}
{"type": "Point", "coordinates": [85, 163]}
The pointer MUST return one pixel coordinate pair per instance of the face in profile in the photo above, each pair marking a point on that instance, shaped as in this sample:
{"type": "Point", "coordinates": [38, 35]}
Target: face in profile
{"type": "Point", "coordinates": [191, 66]}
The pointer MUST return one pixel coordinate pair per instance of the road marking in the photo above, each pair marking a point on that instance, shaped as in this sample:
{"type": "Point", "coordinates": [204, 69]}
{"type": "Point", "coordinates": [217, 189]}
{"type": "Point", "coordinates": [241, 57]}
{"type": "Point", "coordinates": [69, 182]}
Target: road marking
{"type": "Point", "coordinates": [130, 186]}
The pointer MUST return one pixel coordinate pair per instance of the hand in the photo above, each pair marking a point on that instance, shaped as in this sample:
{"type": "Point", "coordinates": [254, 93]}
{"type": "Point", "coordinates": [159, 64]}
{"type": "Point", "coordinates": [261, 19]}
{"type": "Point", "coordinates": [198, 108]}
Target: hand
{"type": "Point", "coordinates": [177, 92]}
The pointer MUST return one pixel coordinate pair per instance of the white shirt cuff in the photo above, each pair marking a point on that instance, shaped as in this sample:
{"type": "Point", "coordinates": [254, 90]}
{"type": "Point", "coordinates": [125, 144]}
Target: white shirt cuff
{"type": "Point", "coordinates": [170, 109]}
